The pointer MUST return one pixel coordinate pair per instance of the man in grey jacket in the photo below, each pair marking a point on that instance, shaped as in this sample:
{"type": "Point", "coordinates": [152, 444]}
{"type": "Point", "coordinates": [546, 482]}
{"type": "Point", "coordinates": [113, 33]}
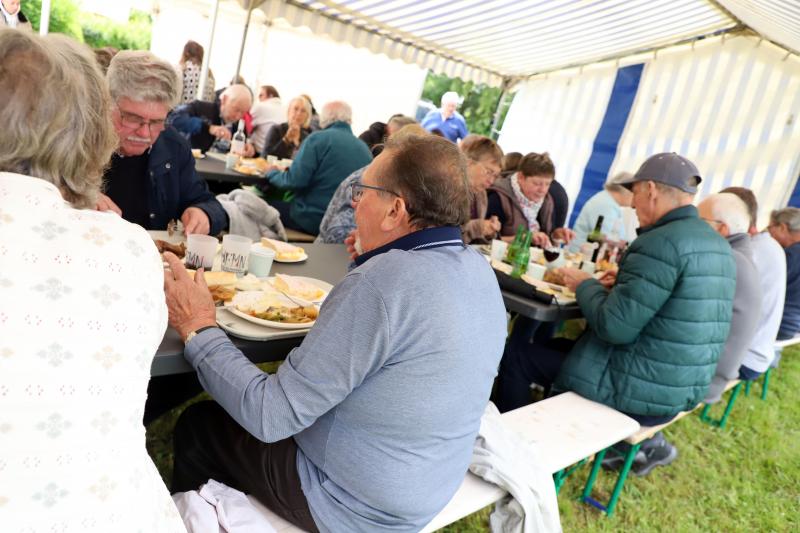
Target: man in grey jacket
{"type": "Point", "coordinates": [728, 215]}
{"type": "Point", "coordinates": [369, 425]}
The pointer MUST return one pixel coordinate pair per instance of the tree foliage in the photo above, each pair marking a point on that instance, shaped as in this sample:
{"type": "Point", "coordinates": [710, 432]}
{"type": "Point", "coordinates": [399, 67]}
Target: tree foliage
{"type": "Point", "coordinates": [479, 101]}
{"type": "Point", "coordinates": [95, 30]}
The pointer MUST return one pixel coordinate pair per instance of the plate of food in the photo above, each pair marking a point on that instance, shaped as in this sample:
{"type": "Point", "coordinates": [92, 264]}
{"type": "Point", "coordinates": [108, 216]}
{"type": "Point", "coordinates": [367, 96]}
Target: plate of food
{"type": "Point", "coordinates": [272, 309]}
{"type": "Point", "coordinates": [284, 252]}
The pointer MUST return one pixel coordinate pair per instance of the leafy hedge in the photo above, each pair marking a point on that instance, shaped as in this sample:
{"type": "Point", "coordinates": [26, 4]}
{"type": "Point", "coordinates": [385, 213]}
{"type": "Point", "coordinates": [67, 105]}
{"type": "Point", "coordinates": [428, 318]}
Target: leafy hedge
{"type": "Point", "coordinates": [95, 30]}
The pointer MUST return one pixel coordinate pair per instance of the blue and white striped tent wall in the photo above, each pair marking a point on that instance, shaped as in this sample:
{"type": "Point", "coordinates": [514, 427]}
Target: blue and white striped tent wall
{"type": "Point", "coordinates": [732, 106]}
{"type": "Point", "coordinates": [560, 114]}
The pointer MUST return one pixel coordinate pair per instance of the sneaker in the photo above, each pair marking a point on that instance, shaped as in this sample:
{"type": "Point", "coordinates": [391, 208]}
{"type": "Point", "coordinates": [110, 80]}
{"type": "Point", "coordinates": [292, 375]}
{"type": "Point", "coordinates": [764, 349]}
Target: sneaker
{"type": "Point", "coordinates": [660, 454]}
{"type": "Point", "coordinates": [615, 456]}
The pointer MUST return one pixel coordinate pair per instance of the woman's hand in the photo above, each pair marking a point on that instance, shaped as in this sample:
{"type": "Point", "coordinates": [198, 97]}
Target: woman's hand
{"type": "Point", "coordinates": [490, 227]}
{"type": "Point", "coordinates": [573, 277]}
{"type": "Point", "coordinates": [541, 240]}
{"type": "Point", "coordinates": [293, 135]}
{"type": "Point", "coordinates": [563, 234]}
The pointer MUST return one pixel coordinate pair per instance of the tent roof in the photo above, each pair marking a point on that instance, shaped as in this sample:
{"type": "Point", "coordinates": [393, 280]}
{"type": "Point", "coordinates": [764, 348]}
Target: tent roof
{"type": "Point", "coordinates": [492, 40]}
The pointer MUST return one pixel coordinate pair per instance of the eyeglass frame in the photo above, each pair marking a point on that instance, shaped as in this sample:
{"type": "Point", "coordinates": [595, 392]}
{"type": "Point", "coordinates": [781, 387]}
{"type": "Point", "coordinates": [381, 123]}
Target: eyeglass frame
{"type": "Point", "coordinates": [357, 190]}
{"type": "Point", "coordinates": [493, 175]}
{"type": "Point", "coordinates": [153, 126]}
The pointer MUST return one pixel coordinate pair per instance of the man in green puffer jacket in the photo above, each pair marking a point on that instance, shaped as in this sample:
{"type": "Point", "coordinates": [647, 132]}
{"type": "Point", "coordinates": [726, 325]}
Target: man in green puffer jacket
{"type": "Point", "coordinates": [655, 333]}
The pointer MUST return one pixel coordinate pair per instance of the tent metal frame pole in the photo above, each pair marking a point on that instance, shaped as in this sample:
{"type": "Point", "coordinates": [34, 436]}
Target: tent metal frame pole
{"type": "Point", "coordinates": [504, 87]}
{"type": "Point", "coordinates": [244, 37]}
{"type": "Point", "coordinates": [207, 55]}
{"type": "Point", "coordinates": [44, 19]}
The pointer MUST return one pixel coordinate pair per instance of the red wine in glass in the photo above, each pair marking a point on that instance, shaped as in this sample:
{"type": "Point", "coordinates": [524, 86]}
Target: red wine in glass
{"type": "Point", "coordinates": [551, 254]}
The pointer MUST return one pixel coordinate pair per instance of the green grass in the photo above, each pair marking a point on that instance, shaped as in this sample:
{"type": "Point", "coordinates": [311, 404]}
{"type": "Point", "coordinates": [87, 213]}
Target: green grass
{"type": "Point", "coordinates": [745, 477]}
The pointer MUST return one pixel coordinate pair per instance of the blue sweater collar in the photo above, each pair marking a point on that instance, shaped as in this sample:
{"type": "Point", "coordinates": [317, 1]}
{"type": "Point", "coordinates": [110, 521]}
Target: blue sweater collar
{"type": "Point", "coordinates": [423, 239]}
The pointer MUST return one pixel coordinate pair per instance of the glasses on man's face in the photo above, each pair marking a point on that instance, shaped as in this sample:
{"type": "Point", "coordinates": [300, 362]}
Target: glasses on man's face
{"type": "Point", "coordinates": [133, 121]}
{"type": "Point", "coordinates": [357, 190]}
{"type": "Point", "coordinates": [488, 171]}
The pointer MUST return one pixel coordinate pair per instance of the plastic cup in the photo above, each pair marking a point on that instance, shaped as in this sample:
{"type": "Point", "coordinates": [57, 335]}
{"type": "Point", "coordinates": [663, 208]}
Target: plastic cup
{"type": "Point", "coordinates": [536, 271]}
{"type": "Point", "coordinates": [200, 251]}
{"type": "Point", "coordinates": [235, 252]}
{"type": "Point", "coordinates": [272, 160]}
{"type": "Point", "coordinates": [536, 254]}
{"type": "Point", "coordinates": [260, 262]}
{"type": "Point", "coordinates": [499, 249]}
{"type": "Point", "coordinates": [588, 266]}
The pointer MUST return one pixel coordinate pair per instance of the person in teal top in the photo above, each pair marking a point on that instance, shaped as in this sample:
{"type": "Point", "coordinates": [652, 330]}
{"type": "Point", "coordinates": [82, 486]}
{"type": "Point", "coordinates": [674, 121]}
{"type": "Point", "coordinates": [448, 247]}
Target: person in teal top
{"type": "Point", "coordinates": [324, 160]}
{"type": "Point", "coordinates": [609, 204]}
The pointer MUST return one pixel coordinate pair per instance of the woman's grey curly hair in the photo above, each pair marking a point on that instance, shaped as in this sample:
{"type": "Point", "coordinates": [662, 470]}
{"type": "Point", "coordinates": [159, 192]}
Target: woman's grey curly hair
{"type": "Point", "coordinates": [55, 114]}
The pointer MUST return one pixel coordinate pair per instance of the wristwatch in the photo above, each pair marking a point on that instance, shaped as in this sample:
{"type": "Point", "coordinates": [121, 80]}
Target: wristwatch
{"type": "Point", "coordinates": [192, 334]}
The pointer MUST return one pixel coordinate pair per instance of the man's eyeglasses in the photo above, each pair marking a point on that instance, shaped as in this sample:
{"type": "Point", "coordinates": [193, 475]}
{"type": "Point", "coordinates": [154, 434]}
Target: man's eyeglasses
{"type": "Point", "coordinates": [130, 120]}
{"type": "Point", "coordinates": [357, 190]}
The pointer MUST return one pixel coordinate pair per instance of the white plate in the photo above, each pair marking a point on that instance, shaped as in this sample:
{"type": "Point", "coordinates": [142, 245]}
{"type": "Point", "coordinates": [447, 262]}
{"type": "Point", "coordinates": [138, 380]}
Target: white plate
{"type": "Point", "coordinates": [299, 260]}
{"type": "Point", "coordinates": [243, 329]}
{"type": "Point", "coordinates": [269, 323]}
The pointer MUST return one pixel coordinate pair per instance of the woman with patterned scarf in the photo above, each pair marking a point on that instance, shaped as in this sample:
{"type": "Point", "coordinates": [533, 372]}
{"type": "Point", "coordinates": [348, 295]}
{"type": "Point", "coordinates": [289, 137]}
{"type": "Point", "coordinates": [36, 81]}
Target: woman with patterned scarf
{"type": "Point", "coordinates": [523, 198]}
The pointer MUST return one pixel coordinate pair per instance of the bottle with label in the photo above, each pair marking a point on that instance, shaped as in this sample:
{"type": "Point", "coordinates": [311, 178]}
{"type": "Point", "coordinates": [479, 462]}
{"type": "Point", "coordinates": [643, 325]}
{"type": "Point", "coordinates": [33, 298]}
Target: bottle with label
{"type": "Point", "coordinates": [514, 247]}
{"type": "Point", "coordinates": [596, 236]}
{"type": "Point", "coordinates": [523, 257]}
{"type": "Point", "coordinates": [237, 143]}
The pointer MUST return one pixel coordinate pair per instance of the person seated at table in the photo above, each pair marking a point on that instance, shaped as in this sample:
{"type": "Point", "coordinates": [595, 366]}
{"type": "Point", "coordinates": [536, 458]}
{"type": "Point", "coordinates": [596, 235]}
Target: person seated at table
{"type": "Point", "coordinates": [523, 198]}
{"type": "Point", "coordinates": [655, 330]}
{"type": "Point", "coordinates": [325, 158]}
{"type": "Point", "coordinates": [82, 311]}
{"type": "Point", "coordinates": [369, 425]}
{"type": "Point", "coordinates": [784, 226]}
{"type": "Point", "coordinates": [446, 120]}
{"type": "Point", "coordinates": [770, 263]}
{"type": "Point", "coordinates": [377, 133]}
{"type": "Point", "coordinates": [339, 220]}
{"type": "Point", "coordinates": [729, 217]}
{"type": "Point", "coordinates": [609, 204]}
{"type": "Point", "coordinates": [151, 179]}
{"type": "Point", "coordinates": [510, 163]}
{"type": "Point", "coordinates": [204, 122]}
{"type": "Point", "coordinates": [265, 113]}
{"type": "Point", "coordinates": [483, 168]}
{"type": "Point", "coordinates": [283, 140]}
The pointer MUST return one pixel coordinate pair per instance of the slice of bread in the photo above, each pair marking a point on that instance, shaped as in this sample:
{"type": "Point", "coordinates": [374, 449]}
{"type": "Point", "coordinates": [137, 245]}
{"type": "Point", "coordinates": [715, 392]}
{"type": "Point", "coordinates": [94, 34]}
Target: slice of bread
{"type": "Point", "coordinates": [297, 287]}
{"type": "Point", "coordinates": [214, 279]}
{"type": "Point", "coordinates": [283, 250]}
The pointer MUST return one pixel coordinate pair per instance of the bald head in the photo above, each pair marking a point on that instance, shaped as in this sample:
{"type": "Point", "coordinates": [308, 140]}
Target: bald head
{"type": "Point", "coordinates": [235, 101]}
{"type": "Point", "coordinates": [336, 111]}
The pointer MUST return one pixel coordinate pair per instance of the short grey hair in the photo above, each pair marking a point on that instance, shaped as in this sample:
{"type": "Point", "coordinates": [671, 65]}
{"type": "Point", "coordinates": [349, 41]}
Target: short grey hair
{"type": "Point", "coordinates": [336, 111]}
{"type": "Point", "coordinates": [142, 76]}
{"type": "Point", "coordinates": [56, 114]}
{"type": "Point", "coordinates": [789, 216]}
{"type": "Point", "coordinates": [730, 209]}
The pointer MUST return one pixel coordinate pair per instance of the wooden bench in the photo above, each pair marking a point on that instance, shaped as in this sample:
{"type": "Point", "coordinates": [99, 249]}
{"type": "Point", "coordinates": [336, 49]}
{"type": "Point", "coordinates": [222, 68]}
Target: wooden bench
{"type": "Point", "coordinates": [566, 429]}
{"type": "Point", "coordinates": [635, 442]}
{"type": "Point", "coordinates": [292, 235]}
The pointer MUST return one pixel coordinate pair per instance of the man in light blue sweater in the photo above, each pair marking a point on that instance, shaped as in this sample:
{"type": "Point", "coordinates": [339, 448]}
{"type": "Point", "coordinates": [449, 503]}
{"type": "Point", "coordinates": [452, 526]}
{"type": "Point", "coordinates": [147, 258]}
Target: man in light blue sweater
{"type": "Point", "coordinates": [369, 424]}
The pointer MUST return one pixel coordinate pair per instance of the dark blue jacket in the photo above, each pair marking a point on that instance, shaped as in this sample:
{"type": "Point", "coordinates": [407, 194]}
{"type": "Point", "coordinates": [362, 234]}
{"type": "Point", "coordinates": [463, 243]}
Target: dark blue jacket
{"type": "Point", "coordinates": [790, 325]}
{"type": "Point", "coordinates": [174, 184]}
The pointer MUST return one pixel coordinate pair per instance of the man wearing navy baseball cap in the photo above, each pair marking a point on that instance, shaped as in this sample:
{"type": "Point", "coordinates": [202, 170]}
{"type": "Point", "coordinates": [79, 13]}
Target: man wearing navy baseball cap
{"type": "Point", "coordinates": [656, 329]}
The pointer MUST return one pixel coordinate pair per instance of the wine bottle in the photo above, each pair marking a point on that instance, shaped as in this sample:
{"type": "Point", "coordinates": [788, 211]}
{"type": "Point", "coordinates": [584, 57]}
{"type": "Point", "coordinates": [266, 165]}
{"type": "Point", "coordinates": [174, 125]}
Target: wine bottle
{"type": "Point", "coordinates": [523, 257]}
{"type": "Point", "coordinates": [596, 236]}
{"type": "Point", "coordinates": [514, 247]}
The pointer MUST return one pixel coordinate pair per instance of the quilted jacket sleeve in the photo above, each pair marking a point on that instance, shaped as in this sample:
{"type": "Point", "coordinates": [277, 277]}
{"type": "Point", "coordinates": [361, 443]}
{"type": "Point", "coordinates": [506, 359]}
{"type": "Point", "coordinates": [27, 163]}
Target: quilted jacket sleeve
{"type": "Point", "coordinates": [645, 282]}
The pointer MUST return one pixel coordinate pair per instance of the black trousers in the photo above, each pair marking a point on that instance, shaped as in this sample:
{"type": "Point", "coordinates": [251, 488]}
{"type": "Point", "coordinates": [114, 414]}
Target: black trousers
{"type": "Point", "coordinates": [209, 444]}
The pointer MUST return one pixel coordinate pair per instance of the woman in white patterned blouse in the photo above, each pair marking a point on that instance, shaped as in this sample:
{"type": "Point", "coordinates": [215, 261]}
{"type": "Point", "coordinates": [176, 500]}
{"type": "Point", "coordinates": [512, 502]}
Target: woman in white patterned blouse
{"type": "Point", "coordinates": [82, 309]}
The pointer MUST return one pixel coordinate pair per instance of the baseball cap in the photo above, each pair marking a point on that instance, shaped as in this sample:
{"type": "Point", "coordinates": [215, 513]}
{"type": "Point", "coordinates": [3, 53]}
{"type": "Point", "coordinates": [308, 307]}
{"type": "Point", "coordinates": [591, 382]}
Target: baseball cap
{"type": "Point", "coordinates": [670, 169]}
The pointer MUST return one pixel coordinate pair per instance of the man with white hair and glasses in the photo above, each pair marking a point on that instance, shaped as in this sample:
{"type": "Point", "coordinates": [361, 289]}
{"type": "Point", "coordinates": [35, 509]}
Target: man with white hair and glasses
{"type": "Point", "coordinates": [205, 122]}
{"type": "Point", "coordinates": [324, 160]}
{"type": "Point", "coordinates": [151, 179]}
{"type": "Point", "coordinates": [727, 214]}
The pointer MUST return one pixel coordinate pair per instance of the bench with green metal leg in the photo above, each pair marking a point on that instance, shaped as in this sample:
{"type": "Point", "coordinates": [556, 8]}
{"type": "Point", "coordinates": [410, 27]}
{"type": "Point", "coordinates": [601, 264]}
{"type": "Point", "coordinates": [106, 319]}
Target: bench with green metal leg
{"type": "Point", "coordinates": [764, 385]}
{"type": "Point", "coordinates": [736, 385]}
{"type": "Point", "coordinates": [635, 442]}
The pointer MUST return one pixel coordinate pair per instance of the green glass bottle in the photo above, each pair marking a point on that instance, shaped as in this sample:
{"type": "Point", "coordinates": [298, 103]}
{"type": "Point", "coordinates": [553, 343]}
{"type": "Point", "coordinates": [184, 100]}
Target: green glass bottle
{"type": "Point", "coordinates": [523, 257]}
{"type": "Point", "coordinates": [515, 246]}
